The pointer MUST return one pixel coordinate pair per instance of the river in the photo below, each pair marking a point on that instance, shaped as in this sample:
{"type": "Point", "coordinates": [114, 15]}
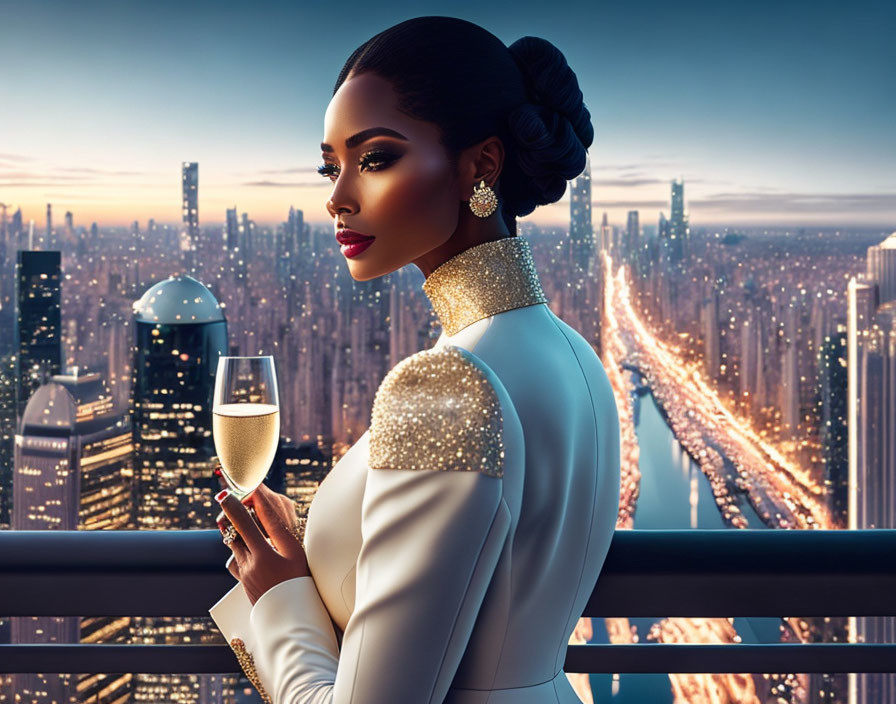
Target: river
{"type": "Point", "coordinates": [674, 494]}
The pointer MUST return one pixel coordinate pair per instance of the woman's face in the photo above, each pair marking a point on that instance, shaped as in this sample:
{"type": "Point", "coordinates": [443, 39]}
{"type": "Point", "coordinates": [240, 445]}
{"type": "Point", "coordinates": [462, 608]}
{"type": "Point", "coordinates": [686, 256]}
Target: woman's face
{"type": "Point", "coordinates": [400, 188]}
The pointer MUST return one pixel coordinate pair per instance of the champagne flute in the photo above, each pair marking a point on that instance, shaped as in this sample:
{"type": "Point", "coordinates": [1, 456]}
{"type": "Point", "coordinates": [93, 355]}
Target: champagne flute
{"type": "Point", "coordinates": [245, 420]}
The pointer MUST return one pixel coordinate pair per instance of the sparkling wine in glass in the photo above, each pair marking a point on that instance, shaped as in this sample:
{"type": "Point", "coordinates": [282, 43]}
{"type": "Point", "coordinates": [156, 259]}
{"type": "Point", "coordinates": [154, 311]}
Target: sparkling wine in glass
{"type": "Point", "coordinates": [246, 420]}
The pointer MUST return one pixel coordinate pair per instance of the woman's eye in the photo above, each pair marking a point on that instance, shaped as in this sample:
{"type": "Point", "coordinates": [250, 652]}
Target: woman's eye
{"type": "Point", "coordinates": [376, 159]}
{"type": "Point", "coordinates": [372, 160]}
{"type": "Point", "coordinates": [327, 170]}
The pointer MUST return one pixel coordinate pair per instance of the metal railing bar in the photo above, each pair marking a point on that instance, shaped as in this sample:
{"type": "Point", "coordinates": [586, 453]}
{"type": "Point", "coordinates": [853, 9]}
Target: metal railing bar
{"type": "Point", "coordinates": [595, 658]}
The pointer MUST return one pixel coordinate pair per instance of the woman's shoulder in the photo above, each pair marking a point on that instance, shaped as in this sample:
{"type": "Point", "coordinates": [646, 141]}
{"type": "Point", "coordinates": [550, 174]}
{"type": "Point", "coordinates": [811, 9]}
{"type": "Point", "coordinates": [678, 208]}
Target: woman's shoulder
{"type": "Point", "coordinates": [440, 408]}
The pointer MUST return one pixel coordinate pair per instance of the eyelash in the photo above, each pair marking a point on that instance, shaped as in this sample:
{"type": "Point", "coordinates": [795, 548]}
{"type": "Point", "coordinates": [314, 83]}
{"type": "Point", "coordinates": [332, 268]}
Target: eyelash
{"type": "Point", "coordinates": [326, 170]}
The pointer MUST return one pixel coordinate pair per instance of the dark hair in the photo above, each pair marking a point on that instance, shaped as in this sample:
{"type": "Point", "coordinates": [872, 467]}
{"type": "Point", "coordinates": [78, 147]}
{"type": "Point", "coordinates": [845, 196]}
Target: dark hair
{"type": "Point", "coordinates": [464, 79]}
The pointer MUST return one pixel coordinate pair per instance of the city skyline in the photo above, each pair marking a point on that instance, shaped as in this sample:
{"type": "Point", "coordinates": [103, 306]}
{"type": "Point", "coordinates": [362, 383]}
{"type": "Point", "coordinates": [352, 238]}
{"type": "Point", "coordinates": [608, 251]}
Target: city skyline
{"type": "Point", "coordinates": [771, 114]}
{"type": "Point", "coordinates": [722, 353]}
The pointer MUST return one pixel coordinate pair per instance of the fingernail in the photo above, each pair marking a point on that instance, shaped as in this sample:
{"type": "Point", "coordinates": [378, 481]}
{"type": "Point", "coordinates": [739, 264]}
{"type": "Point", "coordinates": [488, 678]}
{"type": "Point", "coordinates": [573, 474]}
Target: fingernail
{"type": "Point", "coordinates": [221, 495]}
{"type": "Point", "coordinates": [217, 471]}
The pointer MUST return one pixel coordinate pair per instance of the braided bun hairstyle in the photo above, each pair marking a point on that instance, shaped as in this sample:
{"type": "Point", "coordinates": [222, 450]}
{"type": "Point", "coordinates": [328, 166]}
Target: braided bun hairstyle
{"type": "Point", "coordinates": [552, 131]}
{"type": "Point", "coordinates": [467, 82]}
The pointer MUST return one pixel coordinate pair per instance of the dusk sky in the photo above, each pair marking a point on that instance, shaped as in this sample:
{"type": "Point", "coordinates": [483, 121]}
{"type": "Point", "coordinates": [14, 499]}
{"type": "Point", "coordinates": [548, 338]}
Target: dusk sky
{"type": "Point", "coordinates": [773, 112]}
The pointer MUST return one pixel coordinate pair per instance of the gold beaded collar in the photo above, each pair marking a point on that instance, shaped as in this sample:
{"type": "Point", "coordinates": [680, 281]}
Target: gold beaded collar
{"type": "Point", "coordinates": [482, 281]}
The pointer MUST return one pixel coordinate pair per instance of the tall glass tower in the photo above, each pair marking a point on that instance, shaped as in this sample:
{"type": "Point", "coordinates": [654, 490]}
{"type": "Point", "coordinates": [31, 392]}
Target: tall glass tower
{"type": "Point", "coordinates": [632, 231]}
{"type": "Point", "coordinates": [871, 408]}
{"type": "Point", "coordinates": [38, 321]}
{"type": "Point", "coordinates": [180, 332]}
{"type": "Point", "coordinates": [581, 231]}
{"type": "Point", "coordinates": [189, 235]}
{"type": "Point", "coordinates": [7, 434]}
{"type": "Point", "coordinates": [678, 230]}
{"type": "Point", "coordinates": [72, 471]}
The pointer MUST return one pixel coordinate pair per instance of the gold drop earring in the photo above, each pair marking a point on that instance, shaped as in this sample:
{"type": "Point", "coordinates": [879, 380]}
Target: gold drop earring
{"type": "Point", "coordinates": [484, 201]}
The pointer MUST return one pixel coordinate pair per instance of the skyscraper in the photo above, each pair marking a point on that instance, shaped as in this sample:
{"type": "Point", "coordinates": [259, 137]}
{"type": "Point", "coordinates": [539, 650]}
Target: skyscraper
{"type": "Point", "coordinates": [180, 332]}
{"type": "Point", "coordinates": [69, 226]}
{"type": "Point", "coordinates": [585, 292]}
{"type": "Point", "coordinates": [7, 434]}
{"type": "Point", "coordinates": [834, 438]}
{"type": "Point", "coordinates": [45, 497]}
{"type": "Point", "coordinates": [299, 246]}
{"type": "Point", "coordinates": [677, 227]}
{"type": "Point", "coordinates": [632, 233]}
{"type": "Point", "coordinates": [662, 229]}
{"type": "Point", "coordinates": [49, 240]}
{"type": "Point", "coordinates": [871, 368]}
{"type": "Point", "coordinates": [712, 342]}
{"type": "Point", "coordinates": [581, 232]}
{"type": "Point", "coordinates": [231, 230]}
{"type": "Point", "coordinates": [189, 235]}
{"type": "Point", "coordinates": [606, 236]}
{"type": "Point", "coordinates": [16, 229]}
{"type": "Point", "coordinates": [72, 458]}
{"type": "Point", "coordinates": [789, 388]}
{"type": "Point", "coordinates": [136, 249]}
{"type": "Point", "coordinates": [38, 321]}
{"type": "Point", "coordinates": [247, 229]}
{"type": "Point", "coordinates": [72, 470]}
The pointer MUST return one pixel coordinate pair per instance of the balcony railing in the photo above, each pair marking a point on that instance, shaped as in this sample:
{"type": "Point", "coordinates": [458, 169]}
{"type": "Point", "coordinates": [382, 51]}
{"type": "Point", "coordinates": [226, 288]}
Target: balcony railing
{"type": "Point", "coordinates": [695, 573]}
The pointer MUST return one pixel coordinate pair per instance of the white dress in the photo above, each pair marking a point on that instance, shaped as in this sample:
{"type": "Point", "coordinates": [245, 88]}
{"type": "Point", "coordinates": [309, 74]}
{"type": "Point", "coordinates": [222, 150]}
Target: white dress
{"type": "Point", "coordinates": [452, 549]}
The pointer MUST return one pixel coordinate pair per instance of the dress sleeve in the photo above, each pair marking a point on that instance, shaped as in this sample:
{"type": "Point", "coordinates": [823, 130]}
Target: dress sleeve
{"type": "Point", "coordinates": [433, 525]}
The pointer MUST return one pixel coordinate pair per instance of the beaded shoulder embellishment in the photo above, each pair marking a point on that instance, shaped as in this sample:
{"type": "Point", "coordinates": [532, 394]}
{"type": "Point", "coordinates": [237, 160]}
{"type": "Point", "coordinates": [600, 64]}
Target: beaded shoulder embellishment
{"type": "Point", "coordinates": [437, 410]}
{"type": "Point", "coordinates": [247, 662]}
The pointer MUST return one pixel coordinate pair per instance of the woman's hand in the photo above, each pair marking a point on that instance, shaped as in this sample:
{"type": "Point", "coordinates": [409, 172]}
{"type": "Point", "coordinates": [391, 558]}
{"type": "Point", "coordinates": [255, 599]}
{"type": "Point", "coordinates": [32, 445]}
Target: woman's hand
{"type": "Point", "coordinates": [255, 563]}
{"type": "Point", "coordinates": [275, 505]}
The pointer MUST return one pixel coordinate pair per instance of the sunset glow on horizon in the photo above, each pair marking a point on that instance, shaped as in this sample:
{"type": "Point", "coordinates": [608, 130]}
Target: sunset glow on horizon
{"type": "Point", "coordinates": [781, 122]}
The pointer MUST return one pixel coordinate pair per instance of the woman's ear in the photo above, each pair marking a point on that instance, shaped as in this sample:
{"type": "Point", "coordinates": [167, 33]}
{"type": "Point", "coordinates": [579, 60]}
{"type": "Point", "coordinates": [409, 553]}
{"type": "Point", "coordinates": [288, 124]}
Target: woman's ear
{"type": "Point", "coordinates": [482, 162]}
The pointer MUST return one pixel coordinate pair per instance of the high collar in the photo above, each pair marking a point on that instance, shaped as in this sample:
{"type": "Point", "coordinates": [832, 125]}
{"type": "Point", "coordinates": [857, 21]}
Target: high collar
{"type": "Point", "coordinates": [482, 281]}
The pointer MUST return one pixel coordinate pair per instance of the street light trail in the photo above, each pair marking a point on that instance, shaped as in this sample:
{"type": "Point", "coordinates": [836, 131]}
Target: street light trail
{"type": "Point", "coordinates": [784, 494]}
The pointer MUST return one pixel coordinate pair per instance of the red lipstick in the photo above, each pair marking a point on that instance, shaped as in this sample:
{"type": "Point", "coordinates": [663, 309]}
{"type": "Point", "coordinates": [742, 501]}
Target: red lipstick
{"type": "Point", "coordinates": [353, 242]}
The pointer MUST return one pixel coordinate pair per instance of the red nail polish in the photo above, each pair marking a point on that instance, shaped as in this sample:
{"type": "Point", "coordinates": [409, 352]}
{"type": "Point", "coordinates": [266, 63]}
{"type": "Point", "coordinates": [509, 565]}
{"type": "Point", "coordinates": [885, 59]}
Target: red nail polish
{"type": "Point", "coordinates": [217, 472]}
{"type": "Point", "coordinates": [221, 495]}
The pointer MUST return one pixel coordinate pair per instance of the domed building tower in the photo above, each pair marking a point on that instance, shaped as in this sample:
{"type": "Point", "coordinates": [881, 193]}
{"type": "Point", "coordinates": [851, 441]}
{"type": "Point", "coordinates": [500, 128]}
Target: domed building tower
{"type": "Point", "coordinates": [180, 332]}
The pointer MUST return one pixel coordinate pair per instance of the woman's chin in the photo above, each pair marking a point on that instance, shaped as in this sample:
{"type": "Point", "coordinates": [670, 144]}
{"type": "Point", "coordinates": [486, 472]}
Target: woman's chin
{"type": "Point", "coordinates": [361, 271]}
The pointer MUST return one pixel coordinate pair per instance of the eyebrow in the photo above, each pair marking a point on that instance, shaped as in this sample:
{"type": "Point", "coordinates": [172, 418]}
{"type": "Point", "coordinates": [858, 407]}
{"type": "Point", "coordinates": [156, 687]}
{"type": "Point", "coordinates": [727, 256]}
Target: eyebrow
{"type": "Point", "coordinates": [363, 136]}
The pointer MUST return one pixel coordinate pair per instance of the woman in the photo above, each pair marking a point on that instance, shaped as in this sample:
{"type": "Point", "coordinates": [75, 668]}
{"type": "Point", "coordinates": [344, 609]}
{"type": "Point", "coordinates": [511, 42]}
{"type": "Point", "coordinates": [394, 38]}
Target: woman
{"type": "Point", "coordinates": [450, 552]}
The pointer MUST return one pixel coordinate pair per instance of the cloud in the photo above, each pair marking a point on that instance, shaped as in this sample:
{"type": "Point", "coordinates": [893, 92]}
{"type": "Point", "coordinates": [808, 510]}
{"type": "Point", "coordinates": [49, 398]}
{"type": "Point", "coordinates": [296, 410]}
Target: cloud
{"type": "Point", "coordinates": [44, 184]}
{"type": "Point", "coordinates": [630, 204]}
{"type": "Point", "coordinates": [31, 175]}
{"type": "Point", "coordinates": [796, 202]}
{"type": "Point", "coordinates": [15, 157]}
{"type": "Point", "coordinates": [96, 198]}
{"type": "Point", "coordinates": [282, 184]}
{"type": "Point", "coordinates": [627, 182]}
{"type": "Point", "coordinates": [101, 172]}
{"type": "Point", "coordinates": [638, 178]}
{"type": "Point", "coordinates": [292, 170]}
{"type": "Point", "coordinates": [768, 202]}
{"type": "Point", "coordinates": [13, 175]}
{"type": "Point", "coordinates": [650, 163]}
